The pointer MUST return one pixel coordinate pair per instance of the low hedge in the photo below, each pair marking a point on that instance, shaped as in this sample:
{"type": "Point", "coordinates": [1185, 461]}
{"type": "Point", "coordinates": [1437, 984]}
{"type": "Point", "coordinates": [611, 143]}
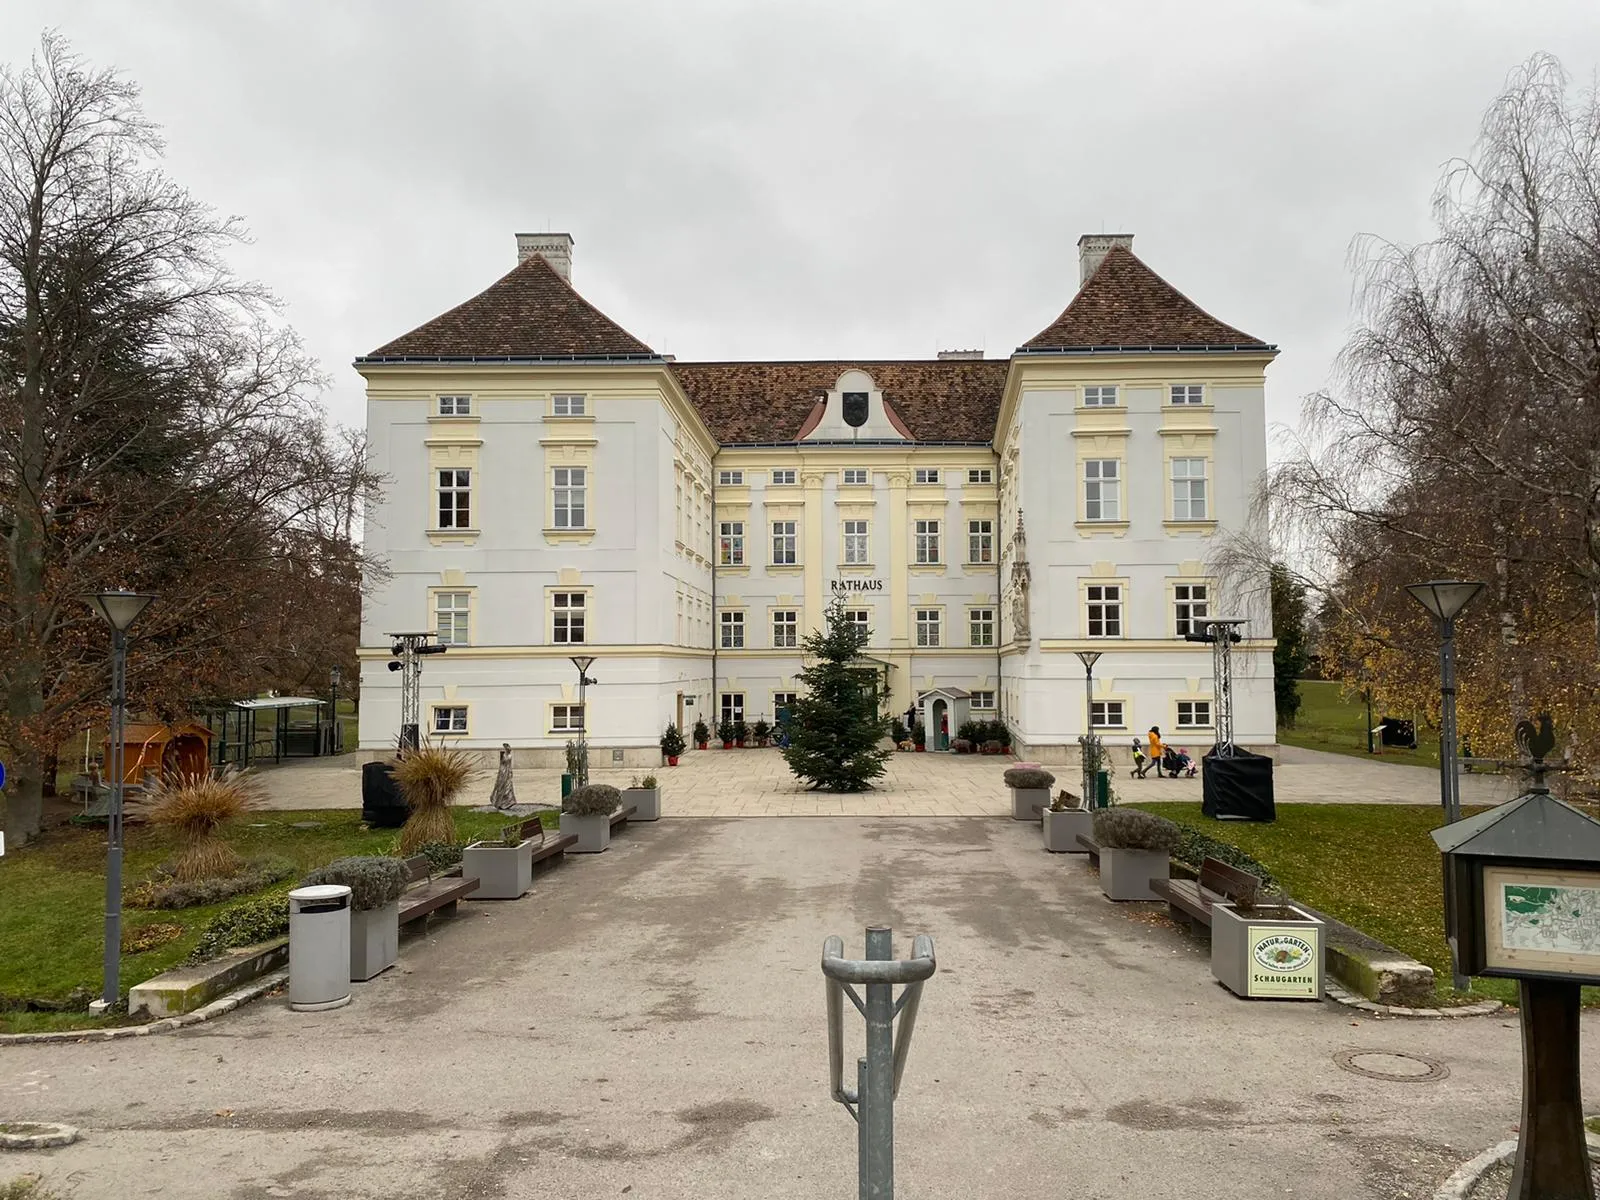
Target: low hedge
{"type": "Point", "coordinates": [1194, 847]}
{"type": "Point", "coordinates": [163, 890]}
{"type": "Point", "coordinates": [245, 924]}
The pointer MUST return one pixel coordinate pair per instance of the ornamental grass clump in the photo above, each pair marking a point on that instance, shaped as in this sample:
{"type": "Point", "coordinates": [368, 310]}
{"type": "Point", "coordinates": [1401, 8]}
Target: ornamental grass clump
{"type": "Point", "coordinates": [430, 778]}
{"type": "Point", "coordinates": [1023, 778]}
{"type": "Point", "coordinates": [592, 800]}
{"type": "Point", "coordinates": [373, 880]}
{"type": "Point", "coordinates": [1134, 829]}
{"type": "Point", "coordinates": [197, 808]}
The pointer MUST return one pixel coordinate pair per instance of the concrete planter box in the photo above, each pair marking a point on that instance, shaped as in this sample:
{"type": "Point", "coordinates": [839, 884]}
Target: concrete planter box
{"type": "Point", "coordinates": [594, 833]}
{"type": "Point", "coordinates": [1023, 800]}
{"type": "Point", "coordinates": [1270, 953]}
{"type": "Point", "coordinates": [646, 803]}
{"type": "Point", "coordinates": [1126, 874]}
{"type": "Point", "coordinates": [374, 940]}
{"type": "Point", "coordinates": [1061, 830]}
{"type": "Point", "coordinates": [503, 872]}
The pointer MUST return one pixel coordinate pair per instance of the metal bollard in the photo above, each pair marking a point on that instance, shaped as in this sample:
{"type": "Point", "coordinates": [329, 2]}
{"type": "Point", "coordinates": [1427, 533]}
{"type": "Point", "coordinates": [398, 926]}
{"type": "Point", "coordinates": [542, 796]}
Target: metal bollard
{"type": "Point", "coordinates": [871, 1103]}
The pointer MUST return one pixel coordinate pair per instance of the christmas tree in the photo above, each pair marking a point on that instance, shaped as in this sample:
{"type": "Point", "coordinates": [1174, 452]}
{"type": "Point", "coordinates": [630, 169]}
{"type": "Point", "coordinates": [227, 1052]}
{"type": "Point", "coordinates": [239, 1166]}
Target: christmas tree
{"type": "Point", "coordinates": [835, 725]}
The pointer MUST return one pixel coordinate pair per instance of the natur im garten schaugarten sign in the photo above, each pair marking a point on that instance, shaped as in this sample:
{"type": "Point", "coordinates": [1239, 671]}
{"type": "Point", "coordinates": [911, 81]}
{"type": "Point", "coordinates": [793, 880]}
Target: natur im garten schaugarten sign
{"type": "Point", "coordinates": [1283, 961]}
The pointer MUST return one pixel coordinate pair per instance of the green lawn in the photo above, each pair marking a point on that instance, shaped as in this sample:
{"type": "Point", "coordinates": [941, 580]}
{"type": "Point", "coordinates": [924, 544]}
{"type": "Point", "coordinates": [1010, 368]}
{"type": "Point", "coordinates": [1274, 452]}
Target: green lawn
{"type": "Point", "coordinates": [52, 899]}
{"type": "Point", "coordinates": [1329, 720]}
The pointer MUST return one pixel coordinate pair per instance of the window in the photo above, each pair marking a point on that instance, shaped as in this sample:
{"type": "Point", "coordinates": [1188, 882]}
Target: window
{"type": "Point", "coordinates": [927, 541]}
{"type": "Point", "coordinates": [1105, 609]}
{"type": "Point", "coordinates": [928, 627]}
{"type": "Point", "coordinates": [782, 702]}
{"type": "Point", "coordinates": [1188, 489]}
{"type": "Point", "coordinates": [785, 628]}
{"type": "Point", "coordinates": [983, 700]}
{"type": "Point", "coordinates": [784, 553]}
{"type": "Point", "coordinates": [450, 719]}
{"type": "Point", "coordinates": [568, 404]}
{"type": "Point", "coordinates": [733, 631]}
{"type": "Point", "coordinates": [730, 478]}
{"type": "Point", "coordinates": [566, 718]}
{"type": "Point", "coordinates": [1187, 393]}
{"type": "Point", "coordinates": [980, 475]}
{"type": "Point", "coordinates": [861, 617]}
{"type": "Point", "coordinates": [1100, 397]}
{"type": "Point", "coordinates": [982, 622]}
{"type": "Point", "coordinates": [732, 706]}
{"type": "Point", "coordinates": [451, 613]}
{"type": "Point", "coordinates": [568, 626]}
{"type": "Point", "coordinates": [783, 476]}
{"type": "Point", "coordinates": [855, 543]}
{"type": "Point", "coordinates": [1106, 714]}
{"type": "Point", "coordinates": [455, 406]}
{"type": "Point", "coordinates": [980, 541]}
{"type": "Point", "coordinates": [925, 475]}
{"type": "Point", "coordinates": [856, 477]}
{"type": "Point", "coordinates": [1192, 604]}
{"type": "Point", "coordinates": [571, 490]}
{"type": "Point", "coordinates": [1102, 500]}
{"type": "Point", "coordinates": [455, 499]}
{"type": "Point", "coordinates": [730, 548]}
{"type": "Point", "coordinates": [1194, 714]}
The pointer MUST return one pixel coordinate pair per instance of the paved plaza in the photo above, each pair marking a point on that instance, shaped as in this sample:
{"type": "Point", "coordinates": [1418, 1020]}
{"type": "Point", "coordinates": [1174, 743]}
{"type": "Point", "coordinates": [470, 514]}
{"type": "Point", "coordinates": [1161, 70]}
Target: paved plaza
{"type": "Point", "coordinates": [650, 1022]}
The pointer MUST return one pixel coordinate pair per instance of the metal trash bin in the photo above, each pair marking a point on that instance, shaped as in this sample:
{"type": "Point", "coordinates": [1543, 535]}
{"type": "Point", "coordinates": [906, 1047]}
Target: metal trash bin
{"type": "Point", "coordinates": [319, 947]}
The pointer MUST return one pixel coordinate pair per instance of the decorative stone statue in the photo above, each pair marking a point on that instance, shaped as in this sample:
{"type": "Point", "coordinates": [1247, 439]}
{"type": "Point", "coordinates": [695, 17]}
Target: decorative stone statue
{"type": "Point", "coordinates": [504, 795]}
{"type": "Point", "coordinates": [1021, 576]}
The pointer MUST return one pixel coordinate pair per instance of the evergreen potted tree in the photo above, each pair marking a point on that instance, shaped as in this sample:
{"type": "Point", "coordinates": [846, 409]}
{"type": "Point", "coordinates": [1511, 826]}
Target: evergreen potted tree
{"type": "Point", "coordinates": [1135, 848]}
{"type": "Point", "coordinates": [702, 734]}
{"type": "Point", "coordinates": [761, 730]}
{"type": "Point", "coordinates": [898, 733]}
{"type": "Point", "coordinates": [671, 744]}
{"type": "Point", "coordinates": [1002, 734]}
{"type": "Point", "coordinates": [740, 732]}
{"type": "Point", "coordinates": [919, 737]}
{"type": "Point", "coordinates": [503, 865]}
{"type": "Point", "coordinates": [645, 796]}
{"type": "Point", "coordinates": [725, 732]}
{"type": "Point", "coordinates": [1030, 788]}
{"type": "Point", "coordinates": [586, 812]}
{"type": "Point", "coordinates": [375, 884]}
{"type": "Point", "coordinates": [1063, 821]}
{"type": "Point", "coordinates": [835, 728]}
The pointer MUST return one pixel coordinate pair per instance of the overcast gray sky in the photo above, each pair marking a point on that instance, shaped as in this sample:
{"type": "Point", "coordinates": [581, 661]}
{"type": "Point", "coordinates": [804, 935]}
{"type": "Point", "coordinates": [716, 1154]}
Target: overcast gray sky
{"type": "Point", "coordinates": [873, 178]}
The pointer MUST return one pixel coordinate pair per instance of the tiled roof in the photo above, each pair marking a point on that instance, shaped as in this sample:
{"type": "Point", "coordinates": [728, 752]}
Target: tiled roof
{"type": "Point", "coordinates": [939, 400]}
{"type": "Point", "coordinates": [1126, 304]}
{"type": "Point", "coordinates": [530, 312]}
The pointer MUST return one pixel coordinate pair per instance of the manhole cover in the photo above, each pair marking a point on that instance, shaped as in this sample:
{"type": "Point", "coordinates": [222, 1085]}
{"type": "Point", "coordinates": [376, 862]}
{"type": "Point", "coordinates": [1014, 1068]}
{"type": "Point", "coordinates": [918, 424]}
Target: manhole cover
{"type": "Point", "coordinates": [1391, 1066]}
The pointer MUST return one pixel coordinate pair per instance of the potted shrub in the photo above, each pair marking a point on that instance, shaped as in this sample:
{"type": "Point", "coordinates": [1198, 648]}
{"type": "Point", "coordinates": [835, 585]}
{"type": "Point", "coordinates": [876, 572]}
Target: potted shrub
{"type": "Point", "coordinates": [898, 733]}
{"type": "Point", "coordinates": [430, 778]}
{"type": "Point", "coordinates": [503, 865]}
{"type": "Point", "coordinates": [740, 732]}
{"type": "Point", "coordinates": [1002, 734]}
{"type": "Point", "coordinates": [725, 732]}
{"type": "Point", "coordinates": [1064, 820]}
{"type": "Point", "coordinates": [586, 812]}
{"type": "Point", "coordinates": [671, 744]}
{"type": "Point", "coordinates": [991, 747]}
{"type": "Point", "coordinates": [1135, 848]}
{"type": "Point", "coordinates": [1029, 786]}
{"type": "Point", "coordinates": [761, 730]}
{"type": "Point", "coordinates": [1268, 950]}
{"type": "Point", "coordinates": [702, 734]}
{"type": "Point", "coordinates": [961, 746]}
{"type": "Point", "coordinates": [645, 796]}
{"type": "Point", "coordinates": [919, 737]}
{"type": "Point", "coordinates": [375, 885]}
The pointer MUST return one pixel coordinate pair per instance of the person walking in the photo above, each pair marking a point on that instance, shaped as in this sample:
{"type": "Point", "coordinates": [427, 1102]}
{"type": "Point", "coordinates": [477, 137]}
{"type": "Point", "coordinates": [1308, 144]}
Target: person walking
{"type": "Point", "coordinates": [1156, 749]}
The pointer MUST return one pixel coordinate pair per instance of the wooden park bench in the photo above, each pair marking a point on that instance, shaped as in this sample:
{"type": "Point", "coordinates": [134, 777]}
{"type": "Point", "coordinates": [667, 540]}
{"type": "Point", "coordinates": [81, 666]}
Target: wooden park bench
{"type": "Point", "coordinates": [551, 846]}
{"type": "Point", "coordinates": [1190, 900]}
{"type": "Point", "coordinates": [427, 894]}
{"type": "Point", "coordinates": [620, 817]}
{"type": "Point", "coordinates": [1093, 847]}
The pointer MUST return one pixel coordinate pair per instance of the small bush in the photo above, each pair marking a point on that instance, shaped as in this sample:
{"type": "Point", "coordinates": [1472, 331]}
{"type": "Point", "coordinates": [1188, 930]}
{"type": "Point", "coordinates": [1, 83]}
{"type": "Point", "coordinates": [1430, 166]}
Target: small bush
{"type": "Point", "coordinates": [961, 746]}
{"type": "Point", "coordinates": [27, 1187]}
{"type": "Point", "coordinates": [898, 732]}
{"type": "Point", "coordinates": [430, 778]}
{"type": "Point", "coordinates": [741, 731]}
{"type": "Point", "coordinates": [672, 743]}
{"type": "Point", "coordinates": [919, 734]}
{"type": "Point", "coordinates": [138, 939]}
{"type": "Point", "coordinates": [649, 783]}
{"type": "Point", "coordinates": [1029, 777]}
{"type": "Point", "coordinates": [725, 729]}
{"type": "Point", "coordinates": [702, 733]}
{"type": "Point", "coordinates": [761, 729]}
{"type": "Point", "coordinates": [373, 880]}
{"type": "Point", "coordinates": [165, 890]}
{"type": "Point", "coordinates": [1134, 829]}
{"type": "Point", "coordinates": [592, 800]}
{"type": "Point", "coordinates": [992, 747]}
{"type": "Point", "coordinates": [1194, 847]}
{"type": "Point", "coordinates": [197, 808]}
{"type": "Point", "coordinates": [441, 856]}
{"type": "Point", "coordinates": [245, 924]}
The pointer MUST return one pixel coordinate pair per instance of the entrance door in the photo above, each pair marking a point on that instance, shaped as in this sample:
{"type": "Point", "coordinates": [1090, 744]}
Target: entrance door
{"type": "Point", "coordinates": [939, 724]}
{"type": "Point", "coordinates": [680, 712]}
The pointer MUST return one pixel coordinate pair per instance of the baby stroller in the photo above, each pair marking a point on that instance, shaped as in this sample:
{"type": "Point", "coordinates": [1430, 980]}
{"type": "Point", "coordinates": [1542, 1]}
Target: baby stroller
{"type": "Point", "coordinates": [1175, 762]}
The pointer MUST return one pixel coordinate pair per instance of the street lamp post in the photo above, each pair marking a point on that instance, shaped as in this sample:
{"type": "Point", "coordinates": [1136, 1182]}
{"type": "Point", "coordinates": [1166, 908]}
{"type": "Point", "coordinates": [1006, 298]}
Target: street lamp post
{"type": "Point", "coordinates": [334, 676]}
{"type": "Point", "coordinates": [1444, 599]}
{"type": "Point", "coordinates": [119, 610]}
{"type": "Point", "coordinates": [583, 663]}
{"type": "Point", "coordinates": [1090, 760]}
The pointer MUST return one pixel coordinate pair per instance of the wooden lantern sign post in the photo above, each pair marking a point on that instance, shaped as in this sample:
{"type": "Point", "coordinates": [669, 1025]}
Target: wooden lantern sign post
{"type": "Point", "coordinates": [1522, 901]}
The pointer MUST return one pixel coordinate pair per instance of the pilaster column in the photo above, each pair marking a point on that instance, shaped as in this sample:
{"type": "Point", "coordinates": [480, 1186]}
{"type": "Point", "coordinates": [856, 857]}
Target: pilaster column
{"type": "Point", "coordinates": [899, 559]}
{"type": "Point", "coordinates": [812, 550]}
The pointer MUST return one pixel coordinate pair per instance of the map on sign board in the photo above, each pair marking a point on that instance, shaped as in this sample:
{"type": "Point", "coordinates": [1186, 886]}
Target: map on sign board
{"type": "Point", "coordinates": [1542, 920]}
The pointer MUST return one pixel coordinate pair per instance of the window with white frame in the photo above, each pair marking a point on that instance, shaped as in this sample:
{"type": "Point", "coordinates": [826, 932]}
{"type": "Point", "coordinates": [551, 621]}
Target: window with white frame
{"type": "Point", "coordinates": [571, 487]}
{"type": "Point", "coordinates": [855, 477]}
{"type": "Point", "coordinates": [981, 626]}
{"type": "Point", "coordinates": [925, 475]}
{"type": "Point", "coordinates": [569, 404]}
{"type": "Point", "coordinates": [1191, 604]}
{"type": "Point", "coordinates": [1194, 714]}
{"type": "Point", "coordinates": [786, 475]}
{"type": "Point", "coordinates": [980, 541]}
{"type": "Point", "coordinates": [1106, 714]}
{"type": "Point", "coordinates": [450, 718]}
{"type": "Point", "coordinates": [782, 701]}
{"type": "Point", "coordinates": [730, 478]}
{"type": "Point", "coordinates": [1104, 396]}
{"type": "Point", "coordinates": [983, 700]}
{"type": "Point", "coordinates": [785, 544]}
{"type": "Point", "coordinates": [732, 631]}
{"type": "Point", "coordinates": [568, 611]}
{"type": "Point", "coordinates": [785, 628]}
{"type": "Point", "coordinates": [732, 707]}
{"type": "Point", "coordinates": [980, 475]}
{"type": "Point", "coordinates": [452, 617]}
{"type": "Point", "coordinates": [1187, 393]}
{"type": "Point", "coordinates": [1188, 489]}
{"type": "Point", "coordinates": [730, 544]}
{"type": "Point", "coordinates": [927, 541]}
{"type": "Point", "coordinates": [861, 617]}
{"type": "Point", "coordinates": [1105, 609]}
{"type": "Point", "coordinates": [455, 499]}
{"type": "Point", "coordinates": [856, 543]}
{"type": "Point", "coordinates": [1102, 497]}
{"type": "Point", "coordinates": [566, 718]}
{"type": "Point", "coordinates": [928, 622]}
{"type": "Point", "coordinates": [455, 406]}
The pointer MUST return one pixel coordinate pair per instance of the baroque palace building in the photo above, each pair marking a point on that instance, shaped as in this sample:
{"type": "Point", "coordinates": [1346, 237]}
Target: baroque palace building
{"type": "Point", "coordinates": [556, 487]}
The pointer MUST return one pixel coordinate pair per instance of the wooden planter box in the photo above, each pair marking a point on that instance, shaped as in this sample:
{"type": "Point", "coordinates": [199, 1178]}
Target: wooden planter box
{"type": "Point", "coordinates": [1126, 874]}
{"type": "Point", "coordinates": [1061, 830]}
{"type": "Point", "coordinates": [646, 803]}
{"type": "Point", "coordinates": [1269, 953]}
{"type": "Point", "coordinates": [374, 940]}
{"type": "Point", "coordinates": [593, 832]}
{"type": "Point", "coordinates": [503, 872]}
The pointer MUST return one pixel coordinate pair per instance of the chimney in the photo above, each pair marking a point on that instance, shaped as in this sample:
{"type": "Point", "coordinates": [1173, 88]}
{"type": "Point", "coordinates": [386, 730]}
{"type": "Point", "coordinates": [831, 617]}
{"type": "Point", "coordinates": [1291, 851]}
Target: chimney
{"type": "Point", "coordinates": [959, 355]}
{"type": "Point", "coordinates": [1093, 247]}
{"type": "Point", "coordinates": [554, 248]}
